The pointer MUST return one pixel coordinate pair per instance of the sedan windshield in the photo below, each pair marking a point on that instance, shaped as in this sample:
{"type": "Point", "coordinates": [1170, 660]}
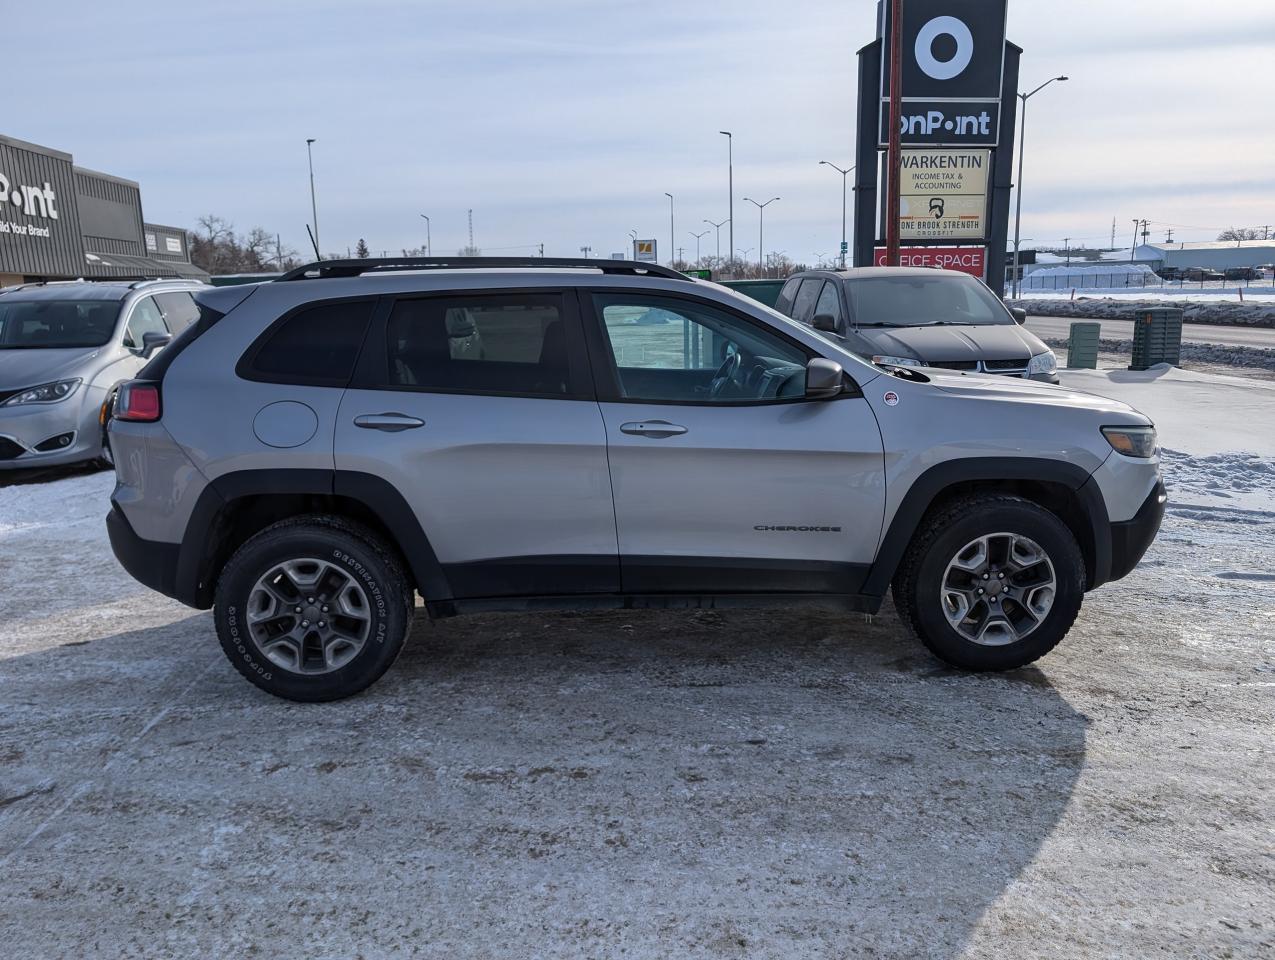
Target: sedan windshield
{"type": "Point", "coordinates": [51, 324]}
{"type": "Point", "coordinates": [919, 301]}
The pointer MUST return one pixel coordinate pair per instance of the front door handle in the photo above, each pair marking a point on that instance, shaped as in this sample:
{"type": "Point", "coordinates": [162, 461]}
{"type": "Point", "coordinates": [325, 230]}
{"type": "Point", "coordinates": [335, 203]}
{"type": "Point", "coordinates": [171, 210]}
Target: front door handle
{"type": "Point", "coordinates": [656, 429]}
{"type": "Point", "coordinates": [389, 422]}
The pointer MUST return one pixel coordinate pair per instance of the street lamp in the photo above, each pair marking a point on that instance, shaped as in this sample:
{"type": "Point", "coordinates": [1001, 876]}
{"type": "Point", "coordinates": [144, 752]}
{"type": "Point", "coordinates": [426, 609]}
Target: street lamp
{"type": "Point", "coordinates": [633, 243]}
{"type": "Point", "coordinates": [314, 209]}
{"type": "Point", "coordinates": [719, 235]}
{"type": "Point", "coordinates": [761, 230]}
{"type": "Point", "coordinates": [1022, 136]}
{"type": "Point", "coordinates": [844, 246]}
{"type": "Point", "coordinates": [428, 245]}
{"type": "Point", "coordinates": [730, 180]}
{"type": "Point", "coordinates": [671, 242]}
{"type": "Point", "coordinates": [697, 236]}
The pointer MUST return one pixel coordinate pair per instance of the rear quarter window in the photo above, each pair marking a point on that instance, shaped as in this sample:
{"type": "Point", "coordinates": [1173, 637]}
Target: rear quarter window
{"type": "Point", "coordinates": [316, 345]}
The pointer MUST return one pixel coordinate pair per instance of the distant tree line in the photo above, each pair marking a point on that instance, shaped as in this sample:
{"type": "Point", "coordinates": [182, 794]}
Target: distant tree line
{"type": "Point", "coordinates": [1245, 233]}
{"type": "Point", "coordinates": [216, 247]}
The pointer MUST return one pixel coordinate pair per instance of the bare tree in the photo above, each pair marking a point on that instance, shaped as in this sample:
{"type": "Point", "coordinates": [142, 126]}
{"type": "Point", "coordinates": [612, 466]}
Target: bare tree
{"type": "Point", "coordinates": [1240, 233]}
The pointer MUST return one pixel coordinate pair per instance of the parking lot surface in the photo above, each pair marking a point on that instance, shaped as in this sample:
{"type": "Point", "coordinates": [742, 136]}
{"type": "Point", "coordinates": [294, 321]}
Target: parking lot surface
{"type": "Point", "coordinates": [690, 784]}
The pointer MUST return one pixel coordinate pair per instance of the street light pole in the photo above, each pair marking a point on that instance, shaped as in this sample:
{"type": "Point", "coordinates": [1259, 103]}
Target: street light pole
{"type": "Point", "coordinates": [730, 180]}
{"type": "Point", "coordinates": [671, 241]}
{"type": "Point", "coordinates": [843, 173]}
{"type": "Point", "coordinates": [719, 235]}
{"type": "Point", "coordinates": [697, 236]}
{"type": "Point", "coordinates": [633, 243]}
{"type": "Point", "coordinates": [314, 207]}
{"type": "Point", "coordinates": [428, 245]}
{"type": "Point", "coordinates": [761, 227]}
{"type": "Point", "coordinates": [1022, 136]}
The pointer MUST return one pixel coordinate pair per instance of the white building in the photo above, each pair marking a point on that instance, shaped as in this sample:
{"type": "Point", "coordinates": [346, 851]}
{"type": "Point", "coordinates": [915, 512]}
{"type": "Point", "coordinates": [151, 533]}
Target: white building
{"type": "Point", "coordinates": [1214, 255]}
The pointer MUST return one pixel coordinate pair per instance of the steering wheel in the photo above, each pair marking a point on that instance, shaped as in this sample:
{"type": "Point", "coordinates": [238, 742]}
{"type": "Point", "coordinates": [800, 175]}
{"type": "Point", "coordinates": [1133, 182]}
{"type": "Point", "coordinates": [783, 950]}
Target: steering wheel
{"type": "Point", "coordinates": [725, 374]}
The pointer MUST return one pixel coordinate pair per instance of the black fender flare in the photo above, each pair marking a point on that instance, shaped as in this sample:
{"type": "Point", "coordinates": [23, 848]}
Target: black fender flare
{"type": "Point", "coordinates": [942, 476]}
{"type": "Point", "coordinates": [194, 581]}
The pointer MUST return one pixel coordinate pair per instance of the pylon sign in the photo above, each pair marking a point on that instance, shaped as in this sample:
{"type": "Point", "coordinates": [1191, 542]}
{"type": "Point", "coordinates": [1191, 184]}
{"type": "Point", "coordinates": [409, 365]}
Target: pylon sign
{"type": "Point", "coordinates": [953, 72]}
{"type": "Point", "coordinates": [644, 251]}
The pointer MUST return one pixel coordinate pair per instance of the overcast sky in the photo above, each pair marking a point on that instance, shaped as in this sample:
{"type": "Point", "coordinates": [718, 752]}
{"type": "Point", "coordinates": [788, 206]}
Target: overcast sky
{"type": "Point", "coordinates": [565, 121]}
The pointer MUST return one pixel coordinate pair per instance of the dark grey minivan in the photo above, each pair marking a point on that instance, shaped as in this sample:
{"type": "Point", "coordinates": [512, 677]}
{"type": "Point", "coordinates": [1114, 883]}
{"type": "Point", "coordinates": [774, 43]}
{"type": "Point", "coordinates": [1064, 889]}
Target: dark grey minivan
{"type": "Point", "coordinates": [918, 317]}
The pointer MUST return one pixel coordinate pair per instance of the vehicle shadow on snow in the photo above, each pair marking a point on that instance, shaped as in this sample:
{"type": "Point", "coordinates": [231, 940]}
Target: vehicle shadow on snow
{"type": "Point", "coordinates": [736, 783]}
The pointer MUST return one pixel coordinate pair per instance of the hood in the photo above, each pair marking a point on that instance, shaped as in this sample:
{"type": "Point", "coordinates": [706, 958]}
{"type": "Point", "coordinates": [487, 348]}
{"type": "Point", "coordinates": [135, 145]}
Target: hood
{"type": "Point", "coordinates": [1003, 341]}
{"type": "Point", "coordinates": [1013, 389]}
{"type": "Point", "coordinates": [24, 368]}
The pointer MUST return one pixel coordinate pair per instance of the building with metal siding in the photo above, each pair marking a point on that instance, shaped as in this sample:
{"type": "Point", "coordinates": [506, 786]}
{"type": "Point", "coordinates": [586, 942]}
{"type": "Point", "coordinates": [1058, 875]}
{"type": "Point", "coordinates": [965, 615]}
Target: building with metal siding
{"type": "Point", "coordinates": [1211, 255]}
{"type": "Point", "coordinates": [59, 221]}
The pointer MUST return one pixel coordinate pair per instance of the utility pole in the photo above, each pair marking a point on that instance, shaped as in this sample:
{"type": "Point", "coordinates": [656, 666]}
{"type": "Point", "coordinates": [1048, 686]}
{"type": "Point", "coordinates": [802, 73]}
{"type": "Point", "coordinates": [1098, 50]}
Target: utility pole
{"type": "Point", "coordinates": [1168, 235]}
{"type": "Point", "coordinates": [1266, 232]}
{"type": "Point", "coordinates": [1145, 232]}
{"type": "Point", "coordinates": [679, 254]}
{"type": "Point", "coordinates": [761, 231]}
{"type": "Point", "coordinates": [730, 180]}
{"type": "Point", "coordinates": [428, 245]}
{"type": "Point", "coordinates": [719, 236]}
{"type": "Point", "coordinates": [471, 231]}
{"type": "Point", "coordinates": [895, 154]}
{"type": "Point", "coordinates": [1113, 233]}
{"type": "Point", "coordinates": [1067, 249]}
{"type": "Point", "coordinates": [584, 250]}
{"type": "Point", "coordinates": [542, 251]}
{"type": "Point", "coordinates": [1134, 247]}
{"type": "Point", "coordinates": [314, 207]}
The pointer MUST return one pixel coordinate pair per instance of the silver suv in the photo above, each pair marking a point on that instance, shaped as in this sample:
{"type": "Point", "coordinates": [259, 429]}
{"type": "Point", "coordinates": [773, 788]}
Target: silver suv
{"type": "Point", "coordinates": [64, 350]}
{"type": "Point", "coordinates": [316, 450]}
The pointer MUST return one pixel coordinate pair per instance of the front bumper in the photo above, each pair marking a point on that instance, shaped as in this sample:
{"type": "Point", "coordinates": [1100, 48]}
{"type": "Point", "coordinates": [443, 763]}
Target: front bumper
{"type": "Point", "coordinates": [1131, 538]}
{"type": "Point", "coordinates": [23, 429]}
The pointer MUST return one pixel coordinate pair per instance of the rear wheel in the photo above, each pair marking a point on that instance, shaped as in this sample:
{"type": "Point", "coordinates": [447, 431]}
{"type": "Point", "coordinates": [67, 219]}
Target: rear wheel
{"type": "Point", "coordinates": [313, 609]}
{"type": "Point", "coordinates": [991, 583]}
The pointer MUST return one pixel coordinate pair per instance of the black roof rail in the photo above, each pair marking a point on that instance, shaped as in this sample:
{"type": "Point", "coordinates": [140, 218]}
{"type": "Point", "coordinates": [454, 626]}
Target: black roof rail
{"type": "Point", "coordinates": [357, 267]}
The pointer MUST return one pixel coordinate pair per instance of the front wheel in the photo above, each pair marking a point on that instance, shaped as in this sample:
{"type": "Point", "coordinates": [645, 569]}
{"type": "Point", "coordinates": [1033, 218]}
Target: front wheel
{"type": "Point", "coordinates": [313, 609]}
{"type": "Point", "coordinates": [991, 583]}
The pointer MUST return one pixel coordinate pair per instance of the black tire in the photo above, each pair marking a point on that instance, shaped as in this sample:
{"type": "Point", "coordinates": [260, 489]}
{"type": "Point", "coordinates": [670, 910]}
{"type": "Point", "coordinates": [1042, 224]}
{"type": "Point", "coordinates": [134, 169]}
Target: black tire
{"type": "Point", "coordinates": [918, 583]}
{"type": "Point", "coordinates": [353, 550]}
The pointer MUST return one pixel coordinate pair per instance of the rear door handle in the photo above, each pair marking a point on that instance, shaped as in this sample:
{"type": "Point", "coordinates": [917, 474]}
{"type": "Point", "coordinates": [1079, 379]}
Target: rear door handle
{"type": "Point", "coordinates": [656, 429]}
{"type": "Point", "coordinates": [389, 422]}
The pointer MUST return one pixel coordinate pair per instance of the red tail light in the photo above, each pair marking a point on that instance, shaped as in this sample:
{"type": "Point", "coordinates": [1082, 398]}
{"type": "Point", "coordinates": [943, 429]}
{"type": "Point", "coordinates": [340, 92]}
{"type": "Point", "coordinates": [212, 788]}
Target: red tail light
{"type": "Point", "coordinates": [138, 400]}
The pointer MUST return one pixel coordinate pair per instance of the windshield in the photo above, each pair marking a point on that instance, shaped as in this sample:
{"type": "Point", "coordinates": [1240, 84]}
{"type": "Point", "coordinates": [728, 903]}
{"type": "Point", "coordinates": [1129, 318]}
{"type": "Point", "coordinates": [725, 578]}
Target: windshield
{"type": "Point", "coordinates": [913, 301]}
{"type": "Point", "coordinates": [51, 324]}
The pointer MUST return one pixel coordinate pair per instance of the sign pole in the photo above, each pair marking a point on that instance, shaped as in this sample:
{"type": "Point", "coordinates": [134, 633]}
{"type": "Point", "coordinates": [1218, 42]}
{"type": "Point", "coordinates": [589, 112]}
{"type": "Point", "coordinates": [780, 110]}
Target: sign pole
{"type": "Point", "coordinates": [894, 161]}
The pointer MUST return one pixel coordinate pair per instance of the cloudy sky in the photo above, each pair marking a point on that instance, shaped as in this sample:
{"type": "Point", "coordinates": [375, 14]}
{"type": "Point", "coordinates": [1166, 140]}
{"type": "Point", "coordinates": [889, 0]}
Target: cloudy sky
{"type": "Point", "coordinates": [564, 122]}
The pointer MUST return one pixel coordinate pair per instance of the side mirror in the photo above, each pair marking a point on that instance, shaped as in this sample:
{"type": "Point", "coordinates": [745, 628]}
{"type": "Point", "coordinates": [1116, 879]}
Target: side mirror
{"type": "Point", "coordinates": [825, 322]}
{"type": "Point", "coordinates": [152, 340]}
{"type": "Point", "coordinates": [1019, 314]}
{"type": "Point", "coordinates": [824, 379]}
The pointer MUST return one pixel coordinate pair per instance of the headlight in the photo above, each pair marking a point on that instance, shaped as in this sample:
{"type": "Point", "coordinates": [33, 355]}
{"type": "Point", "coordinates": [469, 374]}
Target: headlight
{"type": "Point", "coordinates": [44, 393]}
{"type": "Point", "coordinates": [1131, 441]}
{"type": "Point", "coordinates": [1045, 363]}
{"type": "Point", "coordinates": [898, 361]}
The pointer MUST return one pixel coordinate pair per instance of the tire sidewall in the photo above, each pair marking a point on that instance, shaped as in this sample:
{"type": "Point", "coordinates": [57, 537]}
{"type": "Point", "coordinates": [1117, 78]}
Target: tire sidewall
{"type": "Point", "coordinates": [1026, 520]}
{"type": "Point", "coordinates": [357, 558]}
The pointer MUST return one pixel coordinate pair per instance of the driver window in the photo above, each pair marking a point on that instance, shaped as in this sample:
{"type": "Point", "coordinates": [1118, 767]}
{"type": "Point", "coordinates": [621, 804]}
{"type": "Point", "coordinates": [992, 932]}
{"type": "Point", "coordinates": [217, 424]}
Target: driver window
{"type": "Point", "coordinates": [674, 350]}
{"type": "Point", "coordinates": [146, 319]}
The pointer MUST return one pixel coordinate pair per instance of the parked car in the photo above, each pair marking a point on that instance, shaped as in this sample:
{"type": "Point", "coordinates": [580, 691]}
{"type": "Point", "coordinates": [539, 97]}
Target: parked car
{"type": "Point", "coordinates": [1243, 273]}
{"type": "Point", "coordinates": [915, 316]}
{"type": "Point", "coordinates": [64, 350]}
{"type": "Point", "coordinates": [314, 452]}
{"type": "Point", "coordinates": [1199, 274]}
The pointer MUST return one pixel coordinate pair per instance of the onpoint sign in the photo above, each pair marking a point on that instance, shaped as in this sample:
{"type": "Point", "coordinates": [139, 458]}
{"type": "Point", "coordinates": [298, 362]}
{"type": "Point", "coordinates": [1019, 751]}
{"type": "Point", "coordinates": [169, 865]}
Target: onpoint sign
{"type": "Point", "coordinates": [971, 260]}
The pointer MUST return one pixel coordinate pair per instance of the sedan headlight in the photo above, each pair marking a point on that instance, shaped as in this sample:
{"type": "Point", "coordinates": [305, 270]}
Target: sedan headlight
{"type": "Point", "coordinates": [1131, 441]}
{"type": "Point", "coordinates": [1045, 363]}
{"type": "Point", "coordinates": [898, 361]}
{"type": "Point", "coordinates": [44, 393]}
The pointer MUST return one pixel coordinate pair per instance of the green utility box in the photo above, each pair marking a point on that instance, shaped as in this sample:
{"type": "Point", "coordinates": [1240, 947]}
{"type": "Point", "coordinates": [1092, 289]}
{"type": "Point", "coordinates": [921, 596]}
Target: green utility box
{"type": "Point", "coordinates": [1157, 337]}
{"type": "Point", "coordinates": [1082, 345]}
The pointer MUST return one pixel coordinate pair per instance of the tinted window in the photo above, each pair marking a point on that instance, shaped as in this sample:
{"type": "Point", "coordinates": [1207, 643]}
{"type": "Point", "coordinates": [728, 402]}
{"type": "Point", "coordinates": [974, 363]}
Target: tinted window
{"type": "Point", "coordinates": [144, 319]}
{"type": "Point", "coordinates": [783, 303]}
{"type": "Point", "coordinates": [480, 344]}
{"type": "Point", "coordinates": [316, 345]}
{"type": "Point", "coordinates": [830, 303]}
{"type": "Point", "coordinates": [803, 308]}
{"type": "Point", "coordinates": [914, 301]}
{"type": "Point", "coordinates": [671, 350]}
{"type": "Point", "coordinates": [56, 323]}
{"type": "Point", "coordinates": [179, 310]}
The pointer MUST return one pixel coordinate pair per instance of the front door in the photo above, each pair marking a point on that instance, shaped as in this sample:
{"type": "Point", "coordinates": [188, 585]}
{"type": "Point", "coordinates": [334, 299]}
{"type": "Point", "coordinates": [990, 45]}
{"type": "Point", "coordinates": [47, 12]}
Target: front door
{"type": "Point", "coordinates": [726, 478]}
{"type": "Point", "coordinates": [478, 409]}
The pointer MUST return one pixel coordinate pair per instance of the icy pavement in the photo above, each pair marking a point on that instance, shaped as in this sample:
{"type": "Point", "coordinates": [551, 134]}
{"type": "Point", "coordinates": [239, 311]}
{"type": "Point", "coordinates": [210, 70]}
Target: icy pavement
{"type": "Point", "coordinates": [655, 785]}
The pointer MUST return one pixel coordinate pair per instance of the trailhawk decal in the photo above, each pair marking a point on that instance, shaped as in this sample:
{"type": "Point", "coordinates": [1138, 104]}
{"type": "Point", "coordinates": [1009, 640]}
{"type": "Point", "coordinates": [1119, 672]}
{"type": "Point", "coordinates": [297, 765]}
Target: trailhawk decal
{"type": "Point", "coordinates": [775, 528]}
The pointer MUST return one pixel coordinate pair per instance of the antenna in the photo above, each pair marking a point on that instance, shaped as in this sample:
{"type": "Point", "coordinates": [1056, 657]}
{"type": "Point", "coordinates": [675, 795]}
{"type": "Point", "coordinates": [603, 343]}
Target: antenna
{"type": "Point", "coordinates": [314, 243]}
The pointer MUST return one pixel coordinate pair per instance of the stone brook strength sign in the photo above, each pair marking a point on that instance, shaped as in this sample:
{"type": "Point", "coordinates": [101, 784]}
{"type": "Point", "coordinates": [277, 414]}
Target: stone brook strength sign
{"type": "Point", "coordinates": [943, 194]}
{"type": "Point", "coordinates": [39, 203]}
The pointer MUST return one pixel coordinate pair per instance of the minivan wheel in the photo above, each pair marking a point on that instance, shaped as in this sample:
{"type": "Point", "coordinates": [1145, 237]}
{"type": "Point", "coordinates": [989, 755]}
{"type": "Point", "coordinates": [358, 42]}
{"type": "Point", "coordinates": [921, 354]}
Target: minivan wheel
{"type": "Point", "coordinates": [991, 582]}
{"type": "Point", "coordinates": [313, 608]}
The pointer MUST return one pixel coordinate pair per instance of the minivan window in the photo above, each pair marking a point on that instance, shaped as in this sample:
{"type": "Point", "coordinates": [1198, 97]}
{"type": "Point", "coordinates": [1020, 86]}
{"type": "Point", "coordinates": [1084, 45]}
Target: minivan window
{"type": "Point", "coordinates": [803, 307]}
{"type": "Point", "coordinates": [316, 346]}
{"type": "Point", "coordinates": [179, 309]}
{"type": "Point", "coordinates": [144, 319]}
{"type": "Point", "coordinates": [53, 324]}
{"type": "Point", "coordinates": [919, 301]}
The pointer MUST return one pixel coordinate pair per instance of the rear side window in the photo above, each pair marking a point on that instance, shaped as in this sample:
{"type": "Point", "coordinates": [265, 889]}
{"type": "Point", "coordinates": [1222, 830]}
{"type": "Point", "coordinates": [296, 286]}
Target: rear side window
{"type": "Point", "coordinates": [783, 303]}
{"type": "Point", "coordinates": [507, 344]}
{"type": "Point", "coordinates": [179, 310]}
{"type": "Point", "coordinates": [317, 345]}
{"type": "Point", "coordinates": [803, 308]}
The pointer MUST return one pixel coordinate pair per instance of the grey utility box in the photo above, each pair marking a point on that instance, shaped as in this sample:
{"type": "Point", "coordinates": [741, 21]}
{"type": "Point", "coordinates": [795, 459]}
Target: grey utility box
{"type": "Point", "coordinates": [1082, 345]}
{"type": "Point", "coordinates": [1157, 337]}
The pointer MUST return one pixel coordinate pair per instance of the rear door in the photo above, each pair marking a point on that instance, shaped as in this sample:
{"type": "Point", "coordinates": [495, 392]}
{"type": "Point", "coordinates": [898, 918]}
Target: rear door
{"type": "Point", "coordinates": [750, 488]}
{"type": "Point", "coordinates": [478, 407]}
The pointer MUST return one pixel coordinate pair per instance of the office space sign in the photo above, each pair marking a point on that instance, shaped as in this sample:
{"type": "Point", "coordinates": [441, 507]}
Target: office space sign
{"type": "Point", "coordinates": [943, 194]}
{"type": "Point", "coordinates": [953, 65]}
{"type": "Point", "coordinates": [971, 260]}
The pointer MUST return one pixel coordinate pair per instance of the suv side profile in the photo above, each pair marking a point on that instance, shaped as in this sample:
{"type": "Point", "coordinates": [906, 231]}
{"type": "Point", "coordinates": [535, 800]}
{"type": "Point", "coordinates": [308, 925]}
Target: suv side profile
{"type": "Point", "coordinates": [315, 451]}
{"type": "Point", "coordinates": [65, 348]}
